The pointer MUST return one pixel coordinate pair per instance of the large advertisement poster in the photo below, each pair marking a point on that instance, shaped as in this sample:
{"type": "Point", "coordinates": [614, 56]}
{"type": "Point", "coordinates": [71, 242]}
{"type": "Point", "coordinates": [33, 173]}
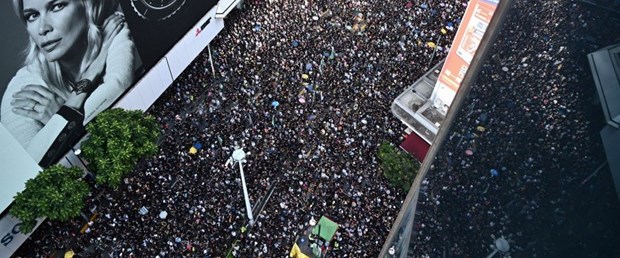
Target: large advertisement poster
{"type": "Point", "coordinates": [66, 61]}
{"type": "Point", "coordinates": [466, 41]}
{"type": "Point", "coordinates": [157, 25]}
{"type": "Point", "coordinates": [77, 59]}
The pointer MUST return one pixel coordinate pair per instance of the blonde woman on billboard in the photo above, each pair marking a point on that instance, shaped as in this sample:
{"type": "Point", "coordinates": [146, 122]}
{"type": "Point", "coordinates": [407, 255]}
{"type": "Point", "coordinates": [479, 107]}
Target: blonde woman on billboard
{"type": "Point", "coordinates": [80, 59]}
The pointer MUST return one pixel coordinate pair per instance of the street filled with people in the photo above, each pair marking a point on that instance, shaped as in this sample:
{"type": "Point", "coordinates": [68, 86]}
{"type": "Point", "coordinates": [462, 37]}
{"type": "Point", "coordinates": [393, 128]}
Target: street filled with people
{"type": "Point", "coordinates": [305, 90]}
{"type": "Point", "coordinates": [518, 159]}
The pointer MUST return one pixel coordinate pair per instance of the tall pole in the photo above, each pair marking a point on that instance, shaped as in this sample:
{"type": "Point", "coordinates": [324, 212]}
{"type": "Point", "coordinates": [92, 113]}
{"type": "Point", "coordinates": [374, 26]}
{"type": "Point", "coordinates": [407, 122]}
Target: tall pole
{"type": "Point", "coordinates": [239, 156]}
{"type": "Point", "coordinates": [77, 153]}
{"type": "Point", "coordinates": [211, 60]}
{"type": "Point", "coordinates": [501, 245]}
{"type": "Point", "coordinates": [430, 62]}
{"type": "Point", "coordinates": [248, 208]}
{"type": "Point", "coordinates": [493, 253]}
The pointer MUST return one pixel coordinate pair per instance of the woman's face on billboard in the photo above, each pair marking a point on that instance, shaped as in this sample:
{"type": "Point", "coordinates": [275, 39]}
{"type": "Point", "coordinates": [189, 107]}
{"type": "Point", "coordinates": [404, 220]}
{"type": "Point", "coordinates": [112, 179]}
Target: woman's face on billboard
{"type": "Point", "coordinates": [58, 27]}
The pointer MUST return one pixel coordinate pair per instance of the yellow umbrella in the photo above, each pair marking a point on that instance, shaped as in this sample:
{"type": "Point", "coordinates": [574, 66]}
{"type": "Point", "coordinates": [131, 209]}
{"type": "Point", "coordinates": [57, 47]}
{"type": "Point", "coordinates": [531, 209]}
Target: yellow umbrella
{"type": "Point", "coordinates": [69, 254]}
{"type": "Point", "coordinates": [193, 150]}
{"type": "Point", "coordinates": [443, 31]}
{"type": "Point", "coordinates": [480, 128]}
{"type": "Point", "coordinates": [305, 76]}
{"type": "Point", "coordinates": [431, 44]}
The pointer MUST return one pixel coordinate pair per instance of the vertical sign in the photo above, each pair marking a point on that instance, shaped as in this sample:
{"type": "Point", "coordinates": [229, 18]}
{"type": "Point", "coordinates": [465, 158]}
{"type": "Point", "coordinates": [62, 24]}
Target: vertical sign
{"type": "Point", "coordinates": [473, 26]}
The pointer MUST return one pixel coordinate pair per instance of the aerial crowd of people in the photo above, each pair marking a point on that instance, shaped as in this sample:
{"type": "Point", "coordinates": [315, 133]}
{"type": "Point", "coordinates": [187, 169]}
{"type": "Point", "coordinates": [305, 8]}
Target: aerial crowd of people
{"type": "Point", "coordinates": [304, 88]}
{"type": "Point", "coordinates": [518, 158]}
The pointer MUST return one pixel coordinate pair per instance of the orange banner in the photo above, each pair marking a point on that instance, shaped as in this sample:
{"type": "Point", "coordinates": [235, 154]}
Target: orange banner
{"type": "Point", "coordinates": [466, 41]}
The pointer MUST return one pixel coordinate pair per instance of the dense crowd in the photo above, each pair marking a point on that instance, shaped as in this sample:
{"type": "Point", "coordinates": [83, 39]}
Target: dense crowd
{"type": "Point", "coordinates": [305, 89]}
{"type": "Point", "coordinates": [532, 126]}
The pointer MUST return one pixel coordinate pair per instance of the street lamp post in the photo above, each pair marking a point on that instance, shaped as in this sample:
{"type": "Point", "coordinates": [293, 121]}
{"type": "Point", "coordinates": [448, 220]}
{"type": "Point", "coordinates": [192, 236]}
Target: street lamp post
{"type": "Point", "coordinates": [211, 60]}
{"type": "Point", "coordinates": [77, 153]}
{"type": "Point", "coordinates": [430, 62]}
{"type": "Point", "coordinates": [239, 156]}
{"type": "Point", "coordinates": [392, 251]}
{"type": "Point", "coordinates": [501, 245]}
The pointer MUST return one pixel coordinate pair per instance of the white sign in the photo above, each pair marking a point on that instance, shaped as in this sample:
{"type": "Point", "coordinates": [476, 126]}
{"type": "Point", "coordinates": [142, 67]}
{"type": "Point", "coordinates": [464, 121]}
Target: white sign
{"type": "Point", "coordinates": [12, 238]}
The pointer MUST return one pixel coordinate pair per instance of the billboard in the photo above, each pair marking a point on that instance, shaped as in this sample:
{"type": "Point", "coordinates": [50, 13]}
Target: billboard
{"type": "Point", "coordinates": [158, 25]}
{"type": "Point", "coordinates": [466, 41]}
{"type": "Point", "coordinates": [70, 70]}
{"type": "Point", "coordinates": [64, 62]}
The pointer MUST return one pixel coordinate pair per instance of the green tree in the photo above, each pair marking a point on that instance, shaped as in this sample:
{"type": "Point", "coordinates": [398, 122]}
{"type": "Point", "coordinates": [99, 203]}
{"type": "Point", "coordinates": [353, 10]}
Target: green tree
{"type": "Point", "coordinates": [57, 193]}
{"type": "Point", "coordinates": [398, 167]}
{"type": "Point", "coordinates": [118, 139]}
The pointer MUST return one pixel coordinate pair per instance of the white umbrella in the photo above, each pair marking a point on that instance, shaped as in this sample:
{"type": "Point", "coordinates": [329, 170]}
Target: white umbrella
{"type": "Point", "coordinates": [143, 211]}
{"type": "Point", "coordinates": [163, 215]}
{"type": "Point", "coordinates": [312, 222]}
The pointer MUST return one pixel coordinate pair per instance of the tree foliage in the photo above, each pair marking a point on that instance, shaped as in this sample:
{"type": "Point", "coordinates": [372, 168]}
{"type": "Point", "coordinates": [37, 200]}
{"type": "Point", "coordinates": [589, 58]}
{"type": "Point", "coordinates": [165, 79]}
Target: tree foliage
{"type": "Point", "coordinates": [398, 167]}
{"type": "Point", "coordinates": [57, 193]}
{"type": "Point", "coordinates": [118, 139]}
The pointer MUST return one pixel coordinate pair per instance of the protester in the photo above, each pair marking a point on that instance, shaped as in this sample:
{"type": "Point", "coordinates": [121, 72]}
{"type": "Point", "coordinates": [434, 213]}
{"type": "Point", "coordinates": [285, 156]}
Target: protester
{"type": "Point", "coordinates": [533, 132]}
{"type": "Point", "coordinates": [305, 90]}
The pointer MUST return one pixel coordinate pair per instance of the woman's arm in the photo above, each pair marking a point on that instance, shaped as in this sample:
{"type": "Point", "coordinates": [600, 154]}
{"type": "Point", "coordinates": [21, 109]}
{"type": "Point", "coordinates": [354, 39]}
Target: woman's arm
{"type": "Point", "coordinates": [46, 143]}
{"type": "Point", "coordinates": [22, 128]}
{"type": "Point", "coordinates": [34, 136]}
{"type": "Point", "coordinates": [118, 76]}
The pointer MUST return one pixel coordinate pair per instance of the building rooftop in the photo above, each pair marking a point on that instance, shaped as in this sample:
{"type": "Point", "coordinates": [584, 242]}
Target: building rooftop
{"type": "Point", "coordinates": [414, 108]}
{"type": "Point", "coordinates": [605, 66]}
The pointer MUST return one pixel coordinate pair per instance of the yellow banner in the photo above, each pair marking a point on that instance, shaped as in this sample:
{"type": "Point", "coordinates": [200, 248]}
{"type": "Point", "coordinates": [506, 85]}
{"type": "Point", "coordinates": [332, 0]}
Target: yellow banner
{"type": "Point", "coordinates": [296, 252]}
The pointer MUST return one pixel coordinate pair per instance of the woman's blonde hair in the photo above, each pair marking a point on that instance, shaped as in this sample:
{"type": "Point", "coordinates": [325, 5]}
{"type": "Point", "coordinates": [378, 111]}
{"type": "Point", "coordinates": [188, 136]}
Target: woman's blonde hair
{"type": "Point", "coordinates": [96, 13]}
